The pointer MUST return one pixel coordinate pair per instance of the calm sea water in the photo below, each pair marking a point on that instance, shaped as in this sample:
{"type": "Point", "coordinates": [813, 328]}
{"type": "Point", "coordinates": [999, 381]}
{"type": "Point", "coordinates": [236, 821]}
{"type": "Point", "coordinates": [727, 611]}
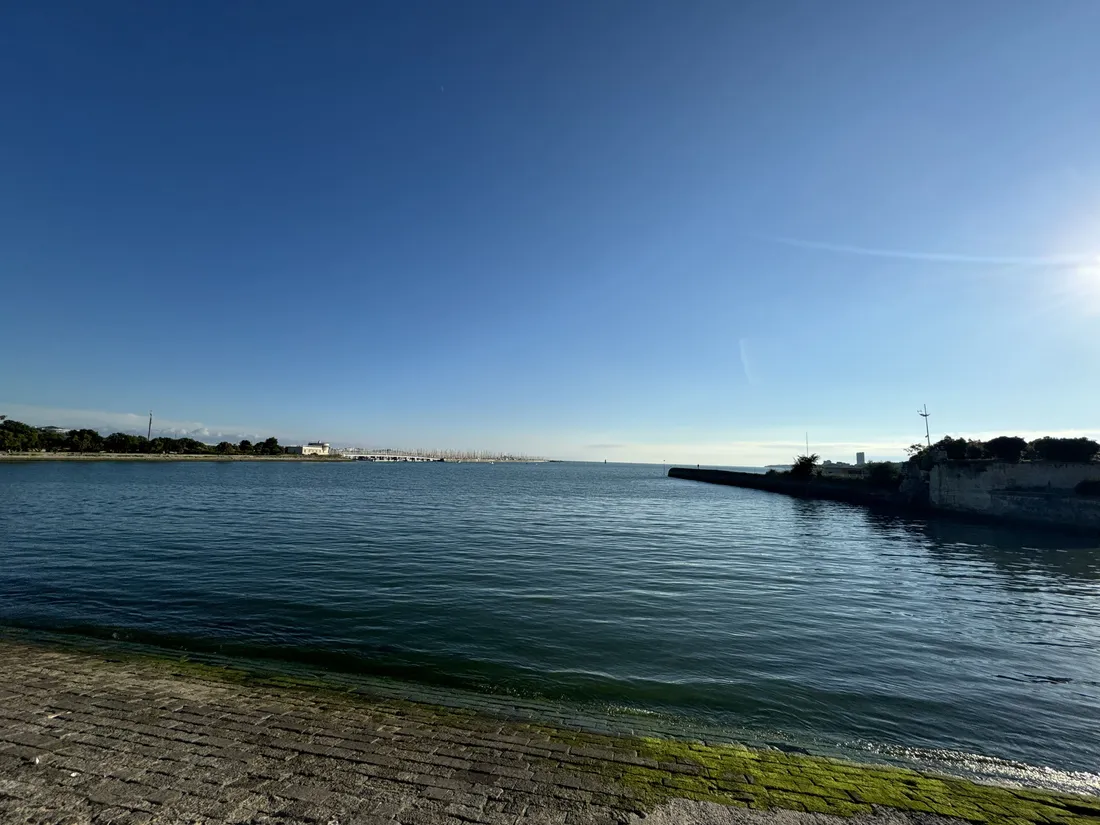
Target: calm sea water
{"type": "Point", "coordinates": [598, 586]}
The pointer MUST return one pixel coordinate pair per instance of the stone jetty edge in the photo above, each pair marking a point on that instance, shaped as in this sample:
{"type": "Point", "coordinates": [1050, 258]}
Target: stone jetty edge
{"type": "Point", "coordinates": [828, 489]}
{"type": "Point", "coordinates": [621, 775]}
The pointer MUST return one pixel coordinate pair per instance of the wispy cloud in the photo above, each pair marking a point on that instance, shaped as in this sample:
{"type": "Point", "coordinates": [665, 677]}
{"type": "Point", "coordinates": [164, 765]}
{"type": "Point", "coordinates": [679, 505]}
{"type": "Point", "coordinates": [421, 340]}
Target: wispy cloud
{"type": "Point", "coordinates": [137, 423]}
{"type": "Point", "coordinates": [743, 347]}
{"type": "Point", "coordinates": [940, 257]}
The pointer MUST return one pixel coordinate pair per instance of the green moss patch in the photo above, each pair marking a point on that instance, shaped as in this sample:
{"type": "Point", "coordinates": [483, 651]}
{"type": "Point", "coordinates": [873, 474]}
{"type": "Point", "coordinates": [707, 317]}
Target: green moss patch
{"type": "Point", "coordinates": [735, 775]}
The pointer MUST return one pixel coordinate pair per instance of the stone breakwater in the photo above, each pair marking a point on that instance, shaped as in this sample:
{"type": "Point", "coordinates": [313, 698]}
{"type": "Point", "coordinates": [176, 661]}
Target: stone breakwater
{"type": "Point", "coordinates": [817, 488]}
{"type": "Point", "coordinates": [110, 737]}
{"type": "Point", "coordinates": [1039, 495]}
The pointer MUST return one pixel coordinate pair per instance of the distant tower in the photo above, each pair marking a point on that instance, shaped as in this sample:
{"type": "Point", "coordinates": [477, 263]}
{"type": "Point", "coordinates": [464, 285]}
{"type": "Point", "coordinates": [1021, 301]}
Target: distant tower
{"type": "Point", "coordinates": [149, 434]}
{"type": "Point", "coordinates": [925, 415]}
{"type": "Point", "coordinates": [861, 459]}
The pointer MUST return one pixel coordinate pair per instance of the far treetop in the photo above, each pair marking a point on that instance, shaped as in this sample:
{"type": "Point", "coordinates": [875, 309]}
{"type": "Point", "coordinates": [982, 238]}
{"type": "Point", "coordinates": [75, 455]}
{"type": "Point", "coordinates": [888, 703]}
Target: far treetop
{"type": "Point", "coordinates": [1010, 449]}
{"type": "Point", "coordinates": [15, 436]}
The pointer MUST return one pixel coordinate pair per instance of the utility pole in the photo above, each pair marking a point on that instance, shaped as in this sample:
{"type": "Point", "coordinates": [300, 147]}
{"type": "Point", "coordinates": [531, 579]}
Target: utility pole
{"type": "Point", "coordinates": [149, 435]}
{"type": "Point", "coordinates": [925, 415]}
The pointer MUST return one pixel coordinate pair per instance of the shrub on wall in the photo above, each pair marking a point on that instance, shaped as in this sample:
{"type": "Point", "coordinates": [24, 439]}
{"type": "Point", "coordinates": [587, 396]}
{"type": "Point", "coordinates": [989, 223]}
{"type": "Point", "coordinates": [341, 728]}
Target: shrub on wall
{"type": "Point", "coordinates": [1088, 488]}
{"type": "Point", "coordinates": [1005, 448]}
{"type": "Point", "coordinates": [954, 447]}
{"type": "Point", "coordinates": [1070, 450]}
{"type": "Point", "coordinates": [804, 466]}
{"type": "Point", "coordinates": [884, 475]}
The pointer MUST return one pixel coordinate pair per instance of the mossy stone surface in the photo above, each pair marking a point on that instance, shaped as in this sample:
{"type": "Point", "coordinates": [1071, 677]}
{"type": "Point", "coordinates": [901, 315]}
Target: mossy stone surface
{"type": "Point", "coordinates": [645, 772]}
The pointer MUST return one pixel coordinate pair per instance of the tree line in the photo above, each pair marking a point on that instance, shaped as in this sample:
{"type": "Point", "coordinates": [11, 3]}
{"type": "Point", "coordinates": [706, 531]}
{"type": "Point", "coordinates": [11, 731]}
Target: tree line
{"type": "Point", "coordinates": [15, 436]}
{"type": "Point", "coordinates": [1011, 449]}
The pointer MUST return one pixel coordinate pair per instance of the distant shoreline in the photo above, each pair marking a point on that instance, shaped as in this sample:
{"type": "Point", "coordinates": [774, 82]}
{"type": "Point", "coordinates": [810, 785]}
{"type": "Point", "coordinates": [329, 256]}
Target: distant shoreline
{"type": "Point", "coordinates": [15, 457]}
{"type": "Point", "coordinates": [159, 457]}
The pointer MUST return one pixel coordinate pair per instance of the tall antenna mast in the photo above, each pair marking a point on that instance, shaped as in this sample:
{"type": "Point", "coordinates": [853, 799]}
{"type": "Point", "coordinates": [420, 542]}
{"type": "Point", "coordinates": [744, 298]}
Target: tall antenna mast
{"type": "Point", "coordinates": [149, 435]}
{"type": "Point", "coordinates": [925, 415]}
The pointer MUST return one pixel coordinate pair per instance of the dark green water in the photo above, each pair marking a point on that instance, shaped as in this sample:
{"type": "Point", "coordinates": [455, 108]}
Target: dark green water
{"type": "Point", "coordinates": [604, 587]}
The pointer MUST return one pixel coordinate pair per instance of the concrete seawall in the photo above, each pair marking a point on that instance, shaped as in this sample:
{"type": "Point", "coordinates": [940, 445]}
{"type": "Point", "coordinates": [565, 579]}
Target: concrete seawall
{"type": "Point", "coordinates": [817, 488]}
{"type": "Point", "coordinates": [1033, 495]}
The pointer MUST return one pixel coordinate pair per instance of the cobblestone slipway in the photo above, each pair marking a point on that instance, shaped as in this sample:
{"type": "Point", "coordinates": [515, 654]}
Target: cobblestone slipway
{"type": "Point", "coordinates": [98, 737]}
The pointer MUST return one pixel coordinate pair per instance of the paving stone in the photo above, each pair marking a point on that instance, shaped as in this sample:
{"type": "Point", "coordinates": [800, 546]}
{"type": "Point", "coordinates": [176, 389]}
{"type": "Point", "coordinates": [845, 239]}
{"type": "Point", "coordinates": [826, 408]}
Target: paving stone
{"type": "Point", "coordinates": [172, 743]}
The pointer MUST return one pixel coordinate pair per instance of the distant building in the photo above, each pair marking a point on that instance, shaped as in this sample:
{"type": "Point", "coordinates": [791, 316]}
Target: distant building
{"type": "Point", "coordinates": [312, 448]}
{"type": "Point", "coordinates": [842, 469]}
{"type": "Point", "coordinates": [861, 459]}
{"type": "Point", "coordinates": [55, 430]}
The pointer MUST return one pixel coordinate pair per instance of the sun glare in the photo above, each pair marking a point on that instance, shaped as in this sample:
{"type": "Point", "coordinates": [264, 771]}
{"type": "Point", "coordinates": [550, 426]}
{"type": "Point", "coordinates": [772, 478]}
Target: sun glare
{"type": "Point", "coordinates": [1081, 287]}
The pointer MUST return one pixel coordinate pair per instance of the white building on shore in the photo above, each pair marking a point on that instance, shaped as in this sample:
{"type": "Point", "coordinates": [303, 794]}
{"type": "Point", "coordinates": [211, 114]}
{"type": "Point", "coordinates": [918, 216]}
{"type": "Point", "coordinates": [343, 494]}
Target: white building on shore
{"type": "Point", "coordinates": [312, 448]}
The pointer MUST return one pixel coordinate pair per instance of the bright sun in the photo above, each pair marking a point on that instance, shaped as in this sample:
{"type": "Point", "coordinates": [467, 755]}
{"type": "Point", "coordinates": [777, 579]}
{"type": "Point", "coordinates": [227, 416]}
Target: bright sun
{"type": "Point", "coordinates": [1082, 287]}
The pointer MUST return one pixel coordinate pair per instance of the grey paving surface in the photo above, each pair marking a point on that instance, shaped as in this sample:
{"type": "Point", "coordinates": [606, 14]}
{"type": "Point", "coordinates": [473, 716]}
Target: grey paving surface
{"type": "Point", "coordinates": [98, 737]}
{"type": "Point", "coordinates": [83, 740]}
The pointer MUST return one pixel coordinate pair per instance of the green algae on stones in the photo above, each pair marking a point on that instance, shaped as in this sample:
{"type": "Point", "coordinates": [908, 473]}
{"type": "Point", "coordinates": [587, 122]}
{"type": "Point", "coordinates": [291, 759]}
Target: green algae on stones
{"type": "Point", "coordinates": [645, 772]}
{"type": "Point", "coordinates": [736, 775]}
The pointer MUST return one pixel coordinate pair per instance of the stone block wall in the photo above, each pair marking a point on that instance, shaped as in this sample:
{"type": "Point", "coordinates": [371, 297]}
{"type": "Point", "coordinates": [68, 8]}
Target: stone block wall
{"type": "Point", "coordinates": [1059, 509]}
{"type": "Point", "coordinates": [1040, 491]}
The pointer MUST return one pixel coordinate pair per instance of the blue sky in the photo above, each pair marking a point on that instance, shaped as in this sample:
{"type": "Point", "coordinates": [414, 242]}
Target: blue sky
{"type": "Point", "coordinates": [623, 230]}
